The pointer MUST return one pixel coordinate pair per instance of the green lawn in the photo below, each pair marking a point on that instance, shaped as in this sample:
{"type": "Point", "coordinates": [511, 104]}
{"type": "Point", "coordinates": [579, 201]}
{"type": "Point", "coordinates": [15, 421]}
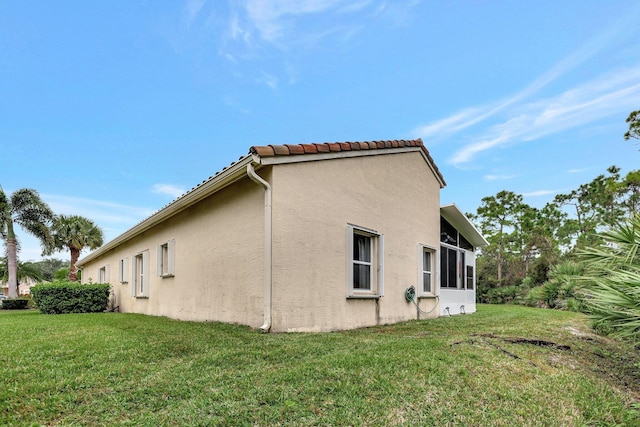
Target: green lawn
{"type": "Point", "coordinates": [502, 366]}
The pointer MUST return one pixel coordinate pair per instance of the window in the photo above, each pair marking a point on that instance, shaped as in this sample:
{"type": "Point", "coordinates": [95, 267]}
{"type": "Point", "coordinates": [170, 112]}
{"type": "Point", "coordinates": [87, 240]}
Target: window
{"type": "Point", "coordinates": [103, 274]}
{"type": "Point", "coordinates": [140, 276]}
{"type": "Point", "coordinates": [470, 277]}
{"type": "Point", "coordinates": [166, 259]}
{"type": "Point", "coordinates": [448, 233]}
{"type": "Point", "coordinates": [456, 258]}
{"type": "Point", "coordinates": [365, 262]}
{"type": "Point", "coordinates": [426, 270]}
{"type": "Point", "coordinates": [123, 270]}
{"type": "Point", "coordinates": [448, 267]}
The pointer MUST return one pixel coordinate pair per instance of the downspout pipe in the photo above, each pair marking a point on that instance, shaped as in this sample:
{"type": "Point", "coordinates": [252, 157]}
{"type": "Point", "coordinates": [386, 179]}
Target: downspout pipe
{"type": "Point", "coordinates": [251, 172]}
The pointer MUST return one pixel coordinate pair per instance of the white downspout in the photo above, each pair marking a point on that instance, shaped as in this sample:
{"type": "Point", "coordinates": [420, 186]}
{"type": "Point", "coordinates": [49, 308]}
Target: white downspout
{"type": "Point", "coordinates": [251, 172]}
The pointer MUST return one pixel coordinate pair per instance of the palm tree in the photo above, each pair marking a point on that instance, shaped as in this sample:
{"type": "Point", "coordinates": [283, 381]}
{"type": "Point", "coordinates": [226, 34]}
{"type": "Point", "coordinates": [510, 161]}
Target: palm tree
{"type": "Point", "coordinates": [24, 208]}
{"type": "Point", "coordinates": [74, 232]}
{"type": "Point", "coordinates": [613, 280]}
{"type": "Point", "coordinates": [26, 271]}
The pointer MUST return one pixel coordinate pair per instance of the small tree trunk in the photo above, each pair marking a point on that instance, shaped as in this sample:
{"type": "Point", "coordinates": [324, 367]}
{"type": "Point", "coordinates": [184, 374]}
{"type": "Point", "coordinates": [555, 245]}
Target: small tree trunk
{"type": "Point", "coordinates": [12, 267]}
{"type": "Point", "coordinates": [73, 270]}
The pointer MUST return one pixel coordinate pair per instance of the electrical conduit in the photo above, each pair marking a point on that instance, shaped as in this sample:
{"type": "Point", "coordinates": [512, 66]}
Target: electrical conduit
{"type": "Point", "coordinates": [251, 172]}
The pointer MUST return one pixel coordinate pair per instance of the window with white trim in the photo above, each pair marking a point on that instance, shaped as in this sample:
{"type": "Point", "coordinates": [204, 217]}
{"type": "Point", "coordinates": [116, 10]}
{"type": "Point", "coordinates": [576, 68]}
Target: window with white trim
{"type": "Point", "coordinates": [426, 274]}
{"type": "Point", "coordinates": [123, 270]}
{"type": "Point", "coordinates": [103, 274]}
{"type": "Point", "coordinates": [166, 259]}
{"type": "Point", "coordinates": [365, 262]}
{"type": "Point", "coordinates": [470, 277]}
{"type": "Point", "coordinates": [140, 275]}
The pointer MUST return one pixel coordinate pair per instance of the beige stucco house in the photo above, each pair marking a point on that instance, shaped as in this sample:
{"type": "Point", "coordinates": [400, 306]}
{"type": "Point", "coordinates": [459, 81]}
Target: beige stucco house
{"type": "Point", "coordinates": [310, 237]}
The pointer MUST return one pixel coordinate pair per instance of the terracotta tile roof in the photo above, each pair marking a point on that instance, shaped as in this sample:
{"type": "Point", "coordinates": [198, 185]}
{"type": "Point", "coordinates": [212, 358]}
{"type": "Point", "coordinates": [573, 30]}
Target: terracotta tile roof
{"type": "Point", "coordinates": [335, 147]}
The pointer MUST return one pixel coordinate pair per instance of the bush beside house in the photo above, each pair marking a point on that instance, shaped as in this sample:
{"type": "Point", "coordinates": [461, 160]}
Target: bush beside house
{"type": "Point", "coordinates": [14, 303]}
{"type": "Point", "coordinates": [70, 297]}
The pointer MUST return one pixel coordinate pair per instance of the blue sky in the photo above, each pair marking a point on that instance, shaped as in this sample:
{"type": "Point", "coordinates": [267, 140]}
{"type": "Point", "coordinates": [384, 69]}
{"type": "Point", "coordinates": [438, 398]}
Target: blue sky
{"type": "Point", "coordinates": [110, 109]}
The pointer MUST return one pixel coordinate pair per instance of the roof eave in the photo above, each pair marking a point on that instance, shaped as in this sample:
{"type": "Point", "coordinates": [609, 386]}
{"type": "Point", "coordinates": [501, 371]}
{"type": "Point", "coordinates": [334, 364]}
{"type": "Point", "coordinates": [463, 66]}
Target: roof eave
{"type": "Point", "coordinates": [459, 220]}
{"type": "Point", "coordinates": [214, 184]}
{"type": "Point", "coordinates": [297, 158]}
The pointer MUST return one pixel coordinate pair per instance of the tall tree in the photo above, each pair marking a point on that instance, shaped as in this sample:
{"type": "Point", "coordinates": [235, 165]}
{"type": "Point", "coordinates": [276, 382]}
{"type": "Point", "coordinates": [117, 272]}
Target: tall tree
{"type": "Point", "coordinates": [74, 233]}
{"type": "Point", "coordinates": [498, 218]}
{"type": "Point", "coordinates": [634, 126]}
{"type": "Point", "coordinates": [24, 208]}
{"type": "Point", "coordinates": [597, 205]}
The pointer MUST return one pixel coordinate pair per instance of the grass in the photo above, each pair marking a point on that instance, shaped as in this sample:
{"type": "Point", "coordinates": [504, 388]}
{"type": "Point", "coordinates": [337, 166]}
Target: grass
{"type": "Point", "coordinates": [502, 366]}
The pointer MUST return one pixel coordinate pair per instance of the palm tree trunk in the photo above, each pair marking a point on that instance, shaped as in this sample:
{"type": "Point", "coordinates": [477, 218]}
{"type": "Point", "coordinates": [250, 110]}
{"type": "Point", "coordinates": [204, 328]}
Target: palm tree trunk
{"type": "Point", "coordinates": [12, 261]}
{"type": "Point", "coordinates": [73, 270]}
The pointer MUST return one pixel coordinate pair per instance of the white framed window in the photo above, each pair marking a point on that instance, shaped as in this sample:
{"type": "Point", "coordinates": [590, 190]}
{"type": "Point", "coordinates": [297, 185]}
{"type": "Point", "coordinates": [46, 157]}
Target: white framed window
{"type": "Point", "coordinates": [470, 277]}
{"type": "Point", "coordinates": [166, 259]}
{"type": "Point", "coordinates": [123, 270]}
{"type": "Point", "coordinates": [103, 274]}
{"type": "Point", "coordinates": [365, 263]}
{"type": "Point", "coordinates": [426, 270]}
{"type": "Point", "coordinates": [140, 275]}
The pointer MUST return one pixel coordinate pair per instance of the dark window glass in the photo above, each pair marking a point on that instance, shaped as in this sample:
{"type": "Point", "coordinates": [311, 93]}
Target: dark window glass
{"type": "Point", "coordinates": [362, 261]}
{"type": "Point", "coordinates": [469, 277]}
{"type": "Point", "coordinates": [448, 268]}
{"type": "Point", "coordinates": [448, 234]}
{"type": "Point", "coordinates": [464, 243]}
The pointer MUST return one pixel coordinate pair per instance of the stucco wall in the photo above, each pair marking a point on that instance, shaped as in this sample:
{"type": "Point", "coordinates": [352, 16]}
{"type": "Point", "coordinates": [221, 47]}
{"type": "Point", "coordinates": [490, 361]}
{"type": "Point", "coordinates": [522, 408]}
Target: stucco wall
{"type": "Point", "coordinates": [219, 267]}
{"type": "Point", "coordinates": [396, 195]}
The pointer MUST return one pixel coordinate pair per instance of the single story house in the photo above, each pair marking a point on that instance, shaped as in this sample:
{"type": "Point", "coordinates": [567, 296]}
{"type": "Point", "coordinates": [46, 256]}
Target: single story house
{"type": "Point", "coordinates": [309, 237]}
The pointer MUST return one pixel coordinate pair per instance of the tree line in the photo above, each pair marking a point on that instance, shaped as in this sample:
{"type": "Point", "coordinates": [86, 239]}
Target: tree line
{"type": "Point", "coordinates": [581, 251]}
{"type": "Point", "coordinates": [526, 242]}
{"type": "Point", "coordinates": [25, 208]}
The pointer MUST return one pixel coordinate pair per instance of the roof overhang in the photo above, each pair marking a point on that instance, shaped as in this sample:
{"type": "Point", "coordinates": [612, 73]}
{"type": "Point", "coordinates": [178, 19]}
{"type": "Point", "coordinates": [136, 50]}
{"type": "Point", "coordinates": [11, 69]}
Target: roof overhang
{"type": "Point", "coordinates": [228, 176]}
{"type": "Point", "coordinates": [272, 155]}
{"type": "Point", "coordinates": [454, 215]}
{"type": "Point", "coordinates": [349, 154]}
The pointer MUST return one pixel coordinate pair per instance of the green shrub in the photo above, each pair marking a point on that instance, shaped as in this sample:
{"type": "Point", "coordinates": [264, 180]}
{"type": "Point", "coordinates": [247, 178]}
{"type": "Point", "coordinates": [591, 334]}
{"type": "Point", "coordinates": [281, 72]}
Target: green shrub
{"type": "Point", "coordinates": [503, 295]}
{"type": "Point", "coordinates": [70, 297]}
{"type": "Point", "coordinates": [15, 303]}
{"type": "Point", "coordinates": [561, 291]}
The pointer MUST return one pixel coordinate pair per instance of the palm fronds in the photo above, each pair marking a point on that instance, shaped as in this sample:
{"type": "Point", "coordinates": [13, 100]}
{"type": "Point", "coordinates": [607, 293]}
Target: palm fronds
{"type": "Point", "coordinates": [612, 280]}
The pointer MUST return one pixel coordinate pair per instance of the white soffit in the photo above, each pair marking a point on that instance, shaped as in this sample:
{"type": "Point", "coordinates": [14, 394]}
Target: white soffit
{"type": "Point", "coordinates": [454, 215]}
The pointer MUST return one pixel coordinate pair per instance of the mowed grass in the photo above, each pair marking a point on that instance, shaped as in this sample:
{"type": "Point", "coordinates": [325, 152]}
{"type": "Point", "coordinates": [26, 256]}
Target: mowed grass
{"type": "Point", "coordinates": [502, 366]}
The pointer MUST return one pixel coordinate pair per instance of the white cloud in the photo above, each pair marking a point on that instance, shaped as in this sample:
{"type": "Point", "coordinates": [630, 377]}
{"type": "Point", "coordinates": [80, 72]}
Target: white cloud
{"type": "Point", "coordinates": [268, 16]}
{"type": "Point", "coordinates": [576, 170]}
{"type": "Point", "coordinates": [99, 211]}
{"type": "Point", "coordinates": [614, 93]}
{"type": "Point", "coordinates": [171, 190]}
{"type": "Point", "coordinates": [520, 121]}
{"type": "Point", "coordinates": [492, 177]}
{"type": "Point", "coordinates": [113, 218]}
{"type": "Point", "coordinates": [268, 79]}
{"type": "Point", "coordinates": [539, 193]}
{"type": "Point", "coordinates": [471, 116]}
{"type": "Point", "coordinates": [193, 9]}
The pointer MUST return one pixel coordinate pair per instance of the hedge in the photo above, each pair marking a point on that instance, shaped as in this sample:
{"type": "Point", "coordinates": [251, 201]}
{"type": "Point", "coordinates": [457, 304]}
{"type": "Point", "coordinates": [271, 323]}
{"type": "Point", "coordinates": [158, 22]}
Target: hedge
{"type": "Point", "coordinates": [15, 303]}
{"type": "Point", "coordinates": [70, 297]}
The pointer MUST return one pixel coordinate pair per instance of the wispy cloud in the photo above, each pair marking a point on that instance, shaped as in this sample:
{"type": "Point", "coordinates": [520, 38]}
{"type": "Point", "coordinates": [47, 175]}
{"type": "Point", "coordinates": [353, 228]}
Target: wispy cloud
{"type": "Point", "coordinates": [169, 189]}
{"type": "Point", "coordinates": [540, 193]}
{"type": "Point", "coordinates": [492, 177]}
{"type": "Point", "coordinates": [610, 94]}
{"type": "Point", "coordinates": [192, 10]}
{"type": "Point", "coordinates": [576, 170]}
{"type": "Point", "coordinates": [514, 119]}
{"type": "Point", "coordinates": [471, 116]}
{"type": "Point", "coordinates": [100, 211]}
{"type": "Point", "coordinates": [269, 17]}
